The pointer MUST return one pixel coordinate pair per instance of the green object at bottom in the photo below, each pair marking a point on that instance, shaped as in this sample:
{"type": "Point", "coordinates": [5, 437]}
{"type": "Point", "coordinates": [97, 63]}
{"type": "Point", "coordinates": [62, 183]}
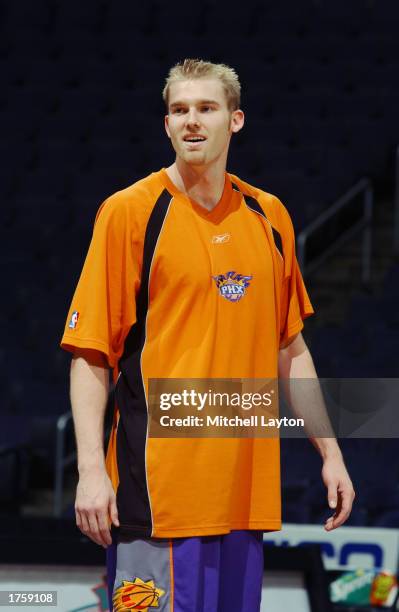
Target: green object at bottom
{"type": "Point", "coordinates": [353, 587]}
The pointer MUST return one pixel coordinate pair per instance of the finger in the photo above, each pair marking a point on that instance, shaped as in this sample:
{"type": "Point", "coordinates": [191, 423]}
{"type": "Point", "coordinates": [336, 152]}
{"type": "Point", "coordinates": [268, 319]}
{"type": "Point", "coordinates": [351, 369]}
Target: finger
{"type": "Point", "coordinates": [329, 525]}
{"type": "Point", "coordinates": [344, 510]}
{"type": "Point", "coordinates": [84, 523]}
{"type": "Point", "coordinates": [346, 507]}
{"type": "Point", "coordinates": [78, 518]}
{"type": "Point", "coordinates": [94, 531]}
{"type": "Point", "coordinates": [341, 519]}
{"type": "Point", "coordinates": [103, 526]}
{"type": "Point", "coordinates": [332, 496]}
{"type": "Point", "coordinates": [113, 512]}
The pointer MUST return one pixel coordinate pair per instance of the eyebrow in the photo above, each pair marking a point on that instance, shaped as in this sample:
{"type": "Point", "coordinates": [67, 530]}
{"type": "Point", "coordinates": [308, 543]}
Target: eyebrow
{"type": "Point", "coordinates": [215, 102]}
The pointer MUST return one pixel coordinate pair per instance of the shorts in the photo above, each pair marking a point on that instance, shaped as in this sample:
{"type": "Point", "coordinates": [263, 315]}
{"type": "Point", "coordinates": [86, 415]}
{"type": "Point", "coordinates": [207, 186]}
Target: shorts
{"type": "Point", "coordinates": [198, 574]}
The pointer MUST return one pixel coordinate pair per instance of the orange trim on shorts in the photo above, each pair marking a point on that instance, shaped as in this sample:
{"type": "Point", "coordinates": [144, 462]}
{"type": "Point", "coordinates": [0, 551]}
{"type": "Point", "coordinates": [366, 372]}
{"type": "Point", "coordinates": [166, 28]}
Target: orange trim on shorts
{"type": "Point", "coordinates": [172, 582]}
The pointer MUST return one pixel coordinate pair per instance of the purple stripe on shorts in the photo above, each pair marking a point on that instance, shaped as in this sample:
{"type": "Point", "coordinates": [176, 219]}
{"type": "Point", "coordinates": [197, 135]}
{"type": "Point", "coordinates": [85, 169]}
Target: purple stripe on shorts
{"type": "Point", "coordinates": [241, 572]}
{"type": "Point", "coordinates": [218, 573]}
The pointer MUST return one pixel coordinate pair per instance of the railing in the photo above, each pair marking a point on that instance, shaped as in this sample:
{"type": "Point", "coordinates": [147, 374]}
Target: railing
{"type": "Point", "coordinates": [363, 186]}
{"type": "Point", "coordinates": [61, 462]}
{"type": "Point", "coordinates": [396, 220]}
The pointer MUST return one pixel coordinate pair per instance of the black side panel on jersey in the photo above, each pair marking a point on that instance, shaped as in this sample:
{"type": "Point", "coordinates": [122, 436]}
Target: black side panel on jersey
{"type": "Point", "coordinates": [254, 205]}
{"type": "Point", "coordinates": [133, 501]}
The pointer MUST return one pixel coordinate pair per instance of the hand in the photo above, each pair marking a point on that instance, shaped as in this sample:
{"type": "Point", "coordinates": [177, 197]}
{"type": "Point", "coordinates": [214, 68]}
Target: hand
{"type": "Point", "coordinates": [95, 506]}
{"type": "Point", "coordinates": [340, 492]}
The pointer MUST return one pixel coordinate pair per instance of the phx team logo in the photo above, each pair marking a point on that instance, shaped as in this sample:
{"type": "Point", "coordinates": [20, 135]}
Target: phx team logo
{"type": "Point", "coordinates": [232, 285]}
{"type": "Point", "coordinates": [137, 595]}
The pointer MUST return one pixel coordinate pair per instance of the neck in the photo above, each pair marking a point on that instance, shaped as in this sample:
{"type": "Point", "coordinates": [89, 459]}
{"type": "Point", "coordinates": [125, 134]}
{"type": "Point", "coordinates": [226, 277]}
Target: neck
{"type": "Point", "coordinates": [203, 184]}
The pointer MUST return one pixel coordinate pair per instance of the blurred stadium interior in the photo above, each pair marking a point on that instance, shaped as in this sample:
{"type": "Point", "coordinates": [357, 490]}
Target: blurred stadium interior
{"type": "Point", "coordinates": [82, 117]}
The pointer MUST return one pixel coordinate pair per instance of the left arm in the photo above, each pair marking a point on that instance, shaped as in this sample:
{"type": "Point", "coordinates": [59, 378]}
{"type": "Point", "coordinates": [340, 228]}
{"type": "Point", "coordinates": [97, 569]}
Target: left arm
{"type": "Point", "coordinates": [295, 361]}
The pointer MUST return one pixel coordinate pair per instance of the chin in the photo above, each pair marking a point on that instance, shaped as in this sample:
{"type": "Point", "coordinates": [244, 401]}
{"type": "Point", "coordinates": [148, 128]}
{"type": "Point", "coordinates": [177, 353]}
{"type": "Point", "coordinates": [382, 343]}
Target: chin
{"type": "Point", "coordinates": [194, 160]}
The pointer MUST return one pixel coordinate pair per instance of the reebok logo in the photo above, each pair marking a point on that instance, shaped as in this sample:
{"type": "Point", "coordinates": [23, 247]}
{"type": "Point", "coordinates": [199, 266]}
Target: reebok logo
{"type": "Point", "coordinates": [220, 238]}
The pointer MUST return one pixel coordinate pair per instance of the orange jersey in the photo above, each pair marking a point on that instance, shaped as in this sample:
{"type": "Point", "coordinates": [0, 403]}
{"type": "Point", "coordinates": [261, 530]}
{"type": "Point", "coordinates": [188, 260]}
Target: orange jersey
{"type": "Point", "coordinates": [171, 290]}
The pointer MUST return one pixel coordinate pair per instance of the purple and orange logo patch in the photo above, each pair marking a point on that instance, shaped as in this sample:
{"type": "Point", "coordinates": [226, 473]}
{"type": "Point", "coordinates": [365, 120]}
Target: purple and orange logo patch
{"type": "Point", "coordinates": [137, 595]}
{"type": "Point", "coordinates": [232, 285]}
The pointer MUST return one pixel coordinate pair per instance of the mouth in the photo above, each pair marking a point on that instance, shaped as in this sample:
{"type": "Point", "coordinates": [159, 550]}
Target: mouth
{"type": "Point", "coordinates": [194, 139]}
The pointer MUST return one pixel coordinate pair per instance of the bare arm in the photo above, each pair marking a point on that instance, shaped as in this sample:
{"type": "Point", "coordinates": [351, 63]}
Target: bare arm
{"type": "Point", "coordinates": [295, 361]}
{"type": "Point", "coordinates": [95, 498]}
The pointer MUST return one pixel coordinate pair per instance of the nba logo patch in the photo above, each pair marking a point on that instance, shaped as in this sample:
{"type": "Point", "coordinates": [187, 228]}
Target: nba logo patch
{"type": "Point", "coordinates": [232, 285]}
{"type": "Point", "coordinates": [74, 320]}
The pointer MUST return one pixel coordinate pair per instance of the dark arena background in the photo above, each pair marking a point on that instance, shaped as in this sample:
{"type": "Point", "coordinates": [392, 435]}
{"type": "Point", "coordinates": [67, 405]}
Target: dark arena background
{"type": "Point", "coordinates": [82, 117]}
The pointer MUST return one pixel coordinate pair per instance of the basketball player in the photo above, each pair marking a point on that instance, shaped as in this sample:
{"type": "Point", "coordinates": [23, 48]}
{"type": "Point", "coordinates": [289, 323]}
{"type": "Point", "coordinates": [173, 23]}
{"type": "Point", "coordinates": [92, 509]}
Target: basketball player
{"type": "Point", "coordinates": [191, 273]}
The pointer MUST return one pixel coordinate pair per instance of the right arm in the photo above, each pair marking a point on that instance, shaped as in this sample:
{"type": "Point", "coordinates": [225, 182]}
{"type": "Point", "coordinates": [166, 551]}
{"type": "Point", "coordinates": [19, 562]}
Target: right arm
{"type": "Point", "coordinates": [95, 498]}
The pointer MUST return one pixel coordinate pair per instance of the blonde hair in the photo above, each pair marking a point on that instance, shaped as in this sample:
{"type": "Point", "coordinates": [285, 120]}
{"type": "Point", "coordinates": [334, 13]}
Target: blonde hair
{"type": "Point", "coordinates": [200, 69]}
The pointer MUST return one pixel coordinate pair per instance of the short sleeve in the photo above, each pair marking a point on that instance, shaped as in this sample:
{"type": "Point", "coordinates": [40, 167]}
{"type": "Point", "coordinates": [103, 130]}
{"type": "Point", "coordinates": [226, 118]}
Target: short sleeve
{"type": "Point", "coordinates": [103, 308]}
{"type": "Point", "coordinates": [295, 302]}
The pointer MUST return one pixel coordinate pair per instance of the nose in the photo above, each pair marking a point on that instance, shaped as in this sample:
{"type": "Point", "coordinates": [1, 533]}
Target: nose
{"type": "Point", "coordinates": [192, 120]}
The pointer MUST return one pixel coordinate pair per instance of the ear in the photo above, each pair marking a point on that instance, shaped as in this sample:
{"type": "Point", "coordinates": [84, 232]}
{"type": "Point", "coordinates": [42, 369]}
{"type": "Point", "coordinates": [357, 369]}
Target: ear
{"type": "Point", "coordinates": [237, 120]}
{"type": "Point", "coordinates": [167, 125]}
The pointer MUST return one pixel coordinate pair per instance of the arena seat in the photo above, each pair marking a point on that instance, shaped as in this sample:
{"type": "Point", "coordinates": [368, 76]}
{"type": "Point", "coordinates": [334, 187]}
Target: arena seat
{"type": "Point", "coordinates": [294, 513]}
{"type": "Point", "coordinates": [389, 519]}
{"type": "Point", "coordinates": [35, 17]}
{"type": "Point", "coordinates": [14, 471]}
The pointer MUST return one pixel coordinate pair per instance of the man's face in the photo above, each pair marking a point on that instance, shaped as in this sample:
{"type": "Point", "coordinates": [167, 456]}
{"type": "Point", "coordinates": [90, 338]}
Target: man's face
{"type": "Point", "coordinates": [199, 122]}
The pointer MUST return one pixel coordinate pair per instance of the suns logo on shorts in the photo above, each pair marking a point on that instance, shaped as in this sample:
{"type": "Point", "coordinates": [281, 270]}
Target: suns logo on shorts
{"type": "Point", "coordinates": [232, 285]}
{"type": "Point", "coordinates": [137, 595]}
{"type": "Point", "coordinates": [74, 320]}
